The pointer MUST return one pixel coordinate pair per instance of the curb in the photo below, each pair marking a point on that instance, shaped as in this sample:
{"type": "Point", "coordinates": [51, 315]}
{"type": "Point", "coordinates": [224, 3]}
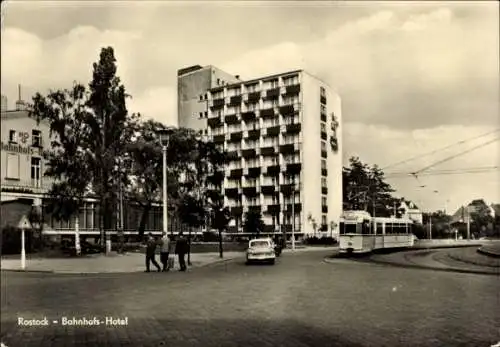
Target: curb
{"type": "Point", "coordinates": [488, 253]}
{"type": "Point", "coordinates": [422, 267]}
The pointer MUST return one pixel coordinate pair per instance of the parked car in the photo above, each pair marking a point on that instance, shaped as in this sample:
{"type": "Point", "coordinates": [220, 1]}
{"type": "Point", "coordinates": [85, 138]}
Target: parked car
{"type": "Point", "coordinates": [261, 250]}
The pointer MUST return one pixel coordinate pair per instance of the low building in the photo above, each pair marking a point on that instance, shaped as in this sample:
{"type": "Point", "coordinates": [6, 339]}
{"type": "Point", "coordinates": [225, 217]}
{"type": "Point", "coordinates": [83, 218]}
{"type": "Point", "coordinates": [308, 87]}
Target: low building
{"type": "Point", "coordinates": [411, 211]}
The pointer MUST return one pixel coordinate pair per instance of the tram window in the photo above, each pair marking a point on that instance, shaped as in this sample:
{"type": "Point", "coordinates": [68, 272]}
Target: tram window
{"type": "Point", "coordinates": [365, 228]}
{"type": "Point", "coordinates": [350, 229]}
{"type": "Point", "coordinates": [380, 228]}
{"type": "Point", "coordinates": [388, 228]}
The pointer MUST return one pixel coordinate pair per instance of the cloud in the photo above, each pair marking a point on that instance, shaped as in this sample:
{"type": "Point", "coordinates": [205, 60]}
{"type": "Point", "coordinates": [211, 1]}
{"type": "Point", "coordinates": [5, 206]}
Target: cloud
{"type": "Point", "coordinates": [386, 146]}
{"type": "Point", "coordinates": [157, 103]}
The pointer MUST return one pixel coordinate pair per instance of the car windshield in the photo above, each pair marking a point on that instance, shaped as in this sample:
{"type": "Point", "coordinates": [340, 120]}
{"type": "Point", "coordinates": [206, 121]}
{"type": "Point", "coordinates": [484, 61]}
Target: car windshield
{"type": "Point", "coordinates": [259, 244]}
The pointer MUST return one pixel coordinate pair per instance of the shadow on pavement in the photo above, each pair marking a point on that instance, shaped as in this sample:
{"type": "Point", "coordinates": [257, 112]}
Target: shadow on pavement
{"type": "Point", "coordinates": [178, 333]}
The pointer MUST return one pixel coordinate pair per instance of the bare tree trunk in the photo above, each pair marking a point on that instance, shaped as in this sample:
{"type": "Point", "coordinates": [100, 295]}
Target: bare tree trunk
{"type": "Point", "coordinates": [221, 252]}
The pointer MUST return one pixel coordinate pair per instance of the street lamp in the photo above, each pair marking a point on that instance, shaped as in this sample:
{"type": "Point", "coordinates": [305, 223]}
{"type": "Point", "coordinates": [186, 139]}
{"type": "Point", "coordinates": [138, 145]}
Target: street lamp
{"type": "Point", "coordinates": [164, 140]}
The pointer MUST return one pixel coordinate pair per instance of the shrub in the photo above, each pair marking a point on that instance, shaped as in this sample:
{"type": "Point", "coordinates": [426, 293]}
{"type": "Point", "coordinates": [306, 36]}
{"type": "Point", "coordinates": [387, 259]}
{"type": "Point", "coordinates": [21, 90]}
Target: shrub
{"type": "Point", "coordinates": [314, 240]}
{"type": "Point", "coordinates": [11, 240]}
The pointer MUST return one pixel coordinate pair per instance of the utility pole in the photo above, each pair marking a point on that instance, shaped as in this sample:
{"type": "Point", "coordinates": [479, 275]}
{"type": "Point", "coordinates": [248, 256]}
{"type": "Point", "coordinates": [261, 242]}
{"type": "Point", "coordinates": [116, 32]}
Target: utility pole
{"type": "Point", "coordinates": [293, 213]}
{"type": "Point", "coordinates": [430, 225]}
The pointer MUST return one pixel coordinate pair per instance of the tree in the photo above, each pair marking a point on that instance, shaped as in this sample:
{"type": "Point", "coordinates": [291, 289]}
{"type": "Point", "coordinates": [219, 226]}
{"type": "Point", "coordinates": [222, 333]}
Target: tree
{"type": "Point", "coordinates": [365, 189]}
{"type": "Point", "coordinates": [92, 128]}
{"type": "Point", "coordinates": [440, 222]}
{"type": "Point", "coordinates": [253, 222]}
{"type": "Point", "coordinates": [220, 220]}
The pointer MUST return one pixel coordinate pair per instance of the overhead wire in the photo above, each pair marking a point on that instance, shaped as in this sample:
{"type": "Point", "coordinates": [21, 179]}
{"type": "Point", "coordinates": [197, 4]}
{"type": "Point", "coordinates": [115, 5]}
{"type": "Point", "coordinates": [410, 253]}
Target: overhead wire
{"type": "Point", "coordinates": [444, 172]}
{"type": "Point", "coordinates": [454, 156]}
{"type": "Point", "coordinates": [440, 149]}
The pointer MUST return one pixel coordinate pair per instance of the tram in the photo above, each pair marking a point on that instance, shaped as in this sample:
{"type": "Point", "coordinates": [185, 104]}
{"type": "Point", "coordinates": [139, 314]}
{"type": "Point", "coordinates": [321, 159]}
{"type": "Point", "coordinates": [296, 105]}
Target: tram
{"type": "Point", "coordinates": [362, 233]}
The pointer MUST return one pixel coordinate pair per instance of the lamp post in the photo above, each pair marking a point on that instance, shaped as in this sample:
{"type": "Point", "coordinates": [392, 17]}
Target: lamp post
{"type": "Point", "coordinates": [164, 140]}
{"type": "Point", "coordinates": [293, 213]}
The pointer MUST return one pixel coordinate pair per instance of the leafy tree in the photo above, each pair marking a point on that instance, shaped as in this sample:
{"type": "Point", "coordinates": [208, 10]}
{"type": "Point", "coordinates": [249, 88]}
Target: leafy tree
{"type": "Point", "coordinates": [253, 222]}
{"type": "Point", "coordinates": [365, 189]}
{"type": "Point", "coordinates": [91, 128]}
{"type": "Point", "coordinates": [440, 223]}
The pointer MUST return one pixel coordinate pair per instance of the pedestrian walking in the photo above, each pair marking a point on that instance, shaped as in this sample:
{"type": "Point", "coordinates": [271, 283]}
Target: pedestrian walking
{"type": "Point", "coordinates": [150, 252]}
{"type": "Point", "coordinates": [181, 248]}
{"type": "Point", "coordinates": [164, 251]}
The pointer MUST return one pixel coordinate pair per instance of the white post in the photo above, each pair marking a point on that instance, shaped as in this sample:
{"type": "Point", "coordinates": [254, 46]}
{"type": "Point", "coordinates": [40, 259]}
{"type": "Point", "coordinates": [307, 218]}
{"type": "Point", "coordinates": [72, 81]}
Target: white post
{"type": "Point", "coordinates": [165, 201]}
{"type": "Point", "coordinates": [430, 226]}
{"type": "Point", "coordinates": [468, 225]}
{"type": "Point", "coordinates": [77, 236]}
{"type": "Point", "coordinates": [23, 250]}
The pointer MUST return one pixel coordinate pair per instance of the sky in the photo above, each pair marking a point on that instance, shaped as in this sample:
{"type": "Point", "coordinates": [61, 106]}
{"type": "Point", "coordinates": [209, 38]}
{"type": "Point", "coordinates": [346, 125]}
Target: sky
{"type": "Point", "coordinates": [414, 77]}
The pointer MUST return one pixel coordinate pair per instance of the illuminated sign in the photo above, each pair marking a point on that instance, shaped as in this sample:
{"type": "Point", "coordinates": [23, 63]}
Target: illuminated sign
{"type": "Point", "coordinates": [10, 147]}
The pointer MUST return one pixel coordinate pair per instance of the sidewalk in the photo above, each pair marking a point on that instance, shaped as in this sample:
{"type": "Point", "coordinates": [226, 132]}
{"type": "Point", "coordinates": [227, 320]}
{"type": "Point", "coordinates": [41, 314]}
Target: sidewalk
{"type": "Point", "coordinates": [113, 263]}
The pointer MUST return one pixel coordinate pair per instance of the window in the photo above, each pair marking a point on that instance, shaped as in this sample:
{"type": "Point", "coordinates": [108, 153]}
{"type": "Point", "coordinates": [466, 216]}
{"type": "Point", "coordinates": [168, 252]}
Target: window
{"type": "Point", "coordinates": [252, 88]}
{"type": "Point", "coordinates": [273, 83]}
{"type": "Point", "coordinates": [201, 97]}
{"type": "Point", "coordinates": [323, 127]}
{"type": "Point", "coordinates": [201, 115]}
{"type": "Point", "coordinates": [206, 114]}
{"type": "Point", "coordinates": [12, 136]}
{"type": "Point", "coordinates": [323, 145]}
{"type": "Point", "coordinates": [322, 91]}
{"type": "Point", "coordinates": [36, 136]}
{"type": "Point", "coordinates": [324, 220]}
{"type": "Point", "coordinates": [12, 166]}
{"type": "Point", "coordinates": [323, 201]}
{"type": "Point", "coordinates": [323, 182]}
{"type": "Point", "coordinates": [218, 81]}
{"type": "Point", "coordinates": [323, 109]}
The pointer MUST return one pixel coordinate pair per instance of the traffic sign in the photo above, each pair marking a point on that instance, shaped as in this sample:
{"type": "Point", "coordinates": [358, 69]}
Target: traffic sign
{"type": "Point", "coordinates": [24, 223]}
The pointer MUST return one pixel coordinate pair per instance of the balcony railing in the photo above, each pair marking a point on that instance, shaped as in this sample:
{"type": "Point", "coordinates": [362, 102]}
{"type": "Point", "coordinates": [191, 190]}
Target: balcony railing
{"type": "Point", "coordinates": [26, 186]}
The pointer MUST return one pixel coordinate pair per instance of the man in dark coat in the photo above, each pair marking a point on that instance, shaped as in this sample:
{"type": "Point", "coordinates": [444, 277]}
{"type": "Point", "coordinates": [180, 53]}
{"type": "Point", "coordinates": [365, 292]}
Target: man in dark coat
{"type": "Point", "coordinates": [150, 252]}
{"type": "Point", "coordinates": [181, 248]}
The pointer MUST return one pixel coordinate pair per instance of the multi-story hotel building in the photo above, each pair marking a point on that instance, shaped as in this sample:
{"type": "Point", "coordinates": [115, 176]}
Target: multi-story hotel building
{"type": "Point", "coordinates": [282, 135]}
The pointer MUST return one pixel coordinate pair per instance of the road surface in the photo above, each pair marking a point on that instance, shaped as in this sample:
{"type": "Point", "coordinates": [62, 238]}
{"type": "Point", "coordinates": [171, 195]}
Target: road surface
{"type": "Point", "coordinates": [301, 301]}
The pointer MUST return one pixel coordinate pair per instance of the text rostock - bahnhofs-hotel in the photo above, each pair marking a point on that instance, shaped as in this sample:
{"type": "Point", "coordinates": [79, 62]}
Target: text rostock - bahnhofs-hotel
{"type": "Point", "coordinates": [283, 135]}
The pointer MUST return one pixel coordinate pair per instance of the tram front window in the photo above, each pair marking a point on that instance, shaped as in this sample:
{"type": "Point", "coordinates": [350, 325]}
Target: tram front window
{"type": "Point", "coordinates": [350, 228]}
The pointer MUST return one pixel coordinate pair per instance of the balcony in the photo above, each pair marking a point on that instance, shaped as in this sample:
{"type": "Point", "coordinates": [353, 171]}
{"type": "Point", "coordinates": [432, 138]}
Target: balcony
{"type": "Point", "coordinates": [323, 117]}
{"type": "Point", "coordinates": [232, 192]}
{"type": "Point", "coordinates": [273, 170]}
{"type": "Point", "coordinates": [273, 209]}
{"type": "Point", "coordinates": [324, 190]}
{"type": "Point", "coordinates": [249, 153]}
{"type": "Point", "coordinates": [233, 155]}
{"type": "Point", "coordinates": [286, 109]}
{"type": "Point", "coordinates": [297, 207]}
{"type": "Point", "coordinates": [324, 209]}
{"type": "Point", "coordinates": [26, 186]}
{"type": "Point", "coordinates": [232, 119]}
{"type": "Point", "coordinates": [293, 168]}
{"type": "Point", "coordinates": [267, 189]}
{"type": "Point", "coordinates": [267, 113]}
{"type": "Point", "coordinates": [254, 172]}
{"type": "Point", "coordinates": [248, 116]}
{"type": "Point", "coordinates": [324, 136]}
{"type": "Point", "coordinates": [293, 128]}
{"type": "Point", "coordinates": [219, 138]}
{"type": "Point", "coordinates": [237, 136]}
{"type": "Point", "coordinates": [287, 189]}
{"type": "Point", "coordinates": [216, 178]}
{"type": "Point", "coordinates": [253, 96]}
{"type": "Point", "coordinates": [214, 122]}
{"type": "Point", "coordinates": [273, 93]}
{"type": "Point", "coordinates": [255, 208]}
{"type": "Point", "coordinates": [236, 211]}
{"type": "Point", "coordinates": [235, 100]}
{"type": "Point", "coordinates": [273, 131]}
{"type": "Point", "coordinates": [236, 173]}
{"type": "Point", "coordinates": [217, 103]}
{"type": "Point", "coordinates": [250, 191]}
{"type": "Point", "coordinates": [268, 150]}
{"type": "Point", "coordinates": [292, 90]}
{"type": "Point", "coordinates": [324, 172]}
{"type": "Point", "coordinates": [253, 134]}
{"type": "Point", "coordinates": [287, 148]}
{"type": "Point", "coordinates": [322, 99]}
{"type": "Point", "coordinates": [323, 154]}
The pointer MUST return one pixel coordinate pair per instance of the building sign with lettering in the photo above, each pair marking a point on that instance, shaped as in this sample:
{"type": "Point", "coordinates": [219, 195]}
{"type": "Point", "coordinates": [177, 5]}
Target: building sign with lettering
{"type": "Point", "coordinates": [10, 147]}
{"type": "Point", "coordinates": [333, 135]}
